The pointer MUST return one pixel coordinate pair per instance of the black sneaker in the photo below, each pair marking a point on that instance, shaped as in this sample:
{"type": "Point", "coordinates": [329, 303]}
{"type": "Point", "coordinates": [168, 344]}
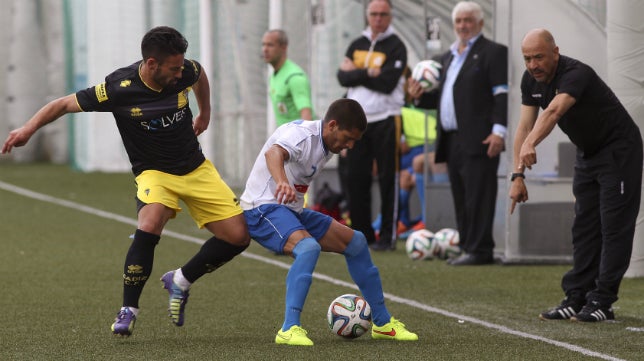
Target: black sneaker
{"type": "Point", "coordinates": [594, 312]}
{"type": "Point", "coordinates": [564, 311]}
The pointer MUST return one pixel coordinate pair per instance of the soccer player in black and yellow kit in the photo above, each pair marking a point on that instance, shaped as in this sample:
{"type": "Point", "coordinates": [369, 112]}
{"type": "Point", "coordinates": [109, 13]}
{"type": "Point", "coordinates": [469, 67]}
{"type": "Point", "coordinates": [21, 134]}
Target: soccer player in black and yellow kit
{"type": "Point", "coordinates": [149, 100]}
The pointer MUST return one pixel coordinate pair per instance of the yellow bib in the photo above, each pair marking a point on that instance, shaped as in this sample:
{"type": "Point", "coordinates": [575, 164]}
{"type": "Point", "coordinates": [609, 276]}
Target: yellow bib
{"type": "Point", "coordinates": [414, 125]}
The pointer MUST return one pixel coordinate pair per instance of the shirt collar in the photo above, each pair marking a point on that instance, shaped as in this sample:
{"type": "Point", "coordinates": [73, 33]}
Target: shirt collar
{"type": "Point", "coordinates": [326, 151]}
{"type": "Point", "coordinates": [389, 31]}
{"type": "Point", "coordinates": [454, 47]}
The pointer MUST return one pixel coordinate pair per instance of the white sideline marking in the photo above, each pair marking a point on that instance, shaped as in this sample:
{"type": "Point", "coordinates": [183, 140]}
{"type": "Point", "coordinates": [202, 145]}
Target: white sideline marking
{"type": "Point", "coordinates": [130, 221]}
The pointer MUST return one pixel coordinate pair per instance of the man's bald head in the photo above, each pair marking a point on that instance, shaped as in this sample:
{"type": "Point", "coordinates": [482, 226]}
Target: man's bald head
{"type": "Point", "coordinates": [536, 36]}
{"type": "Point", "coordinates": [540, 54]}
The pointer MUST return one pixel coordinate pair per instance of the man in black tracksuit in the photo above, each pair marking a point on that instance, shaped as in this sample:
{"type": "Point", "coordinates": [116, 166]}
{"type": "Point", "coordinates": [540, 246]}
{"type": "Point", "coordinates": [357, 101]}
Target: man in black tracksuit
{"type": "Point", "coordinates": [607, 180]}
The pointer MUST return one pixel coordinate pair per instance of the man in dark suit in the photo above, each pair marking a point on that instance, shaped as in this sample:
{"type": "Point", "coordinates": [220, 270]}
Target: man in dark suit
{"type": "Point", "coordinates": [472, 108]}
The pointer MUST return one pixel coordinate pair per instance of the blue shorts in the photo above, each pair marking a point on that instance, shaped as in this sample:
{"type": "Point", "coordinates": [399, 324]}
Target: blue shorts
{"type": "Point", "coordinates": [406, 160]}
{"type": "Point", "coordinates": [271, 224]}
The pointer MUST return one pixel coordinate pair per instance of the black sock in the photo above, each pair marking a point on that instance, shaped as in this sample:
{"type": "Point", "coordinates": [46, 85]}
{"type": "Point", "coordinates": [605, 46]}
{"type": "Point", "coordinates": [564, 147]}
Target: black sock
{"type": "Point", "coordinates": [212, 255]}
{"type": "Point", "coordinates": [138, 266]}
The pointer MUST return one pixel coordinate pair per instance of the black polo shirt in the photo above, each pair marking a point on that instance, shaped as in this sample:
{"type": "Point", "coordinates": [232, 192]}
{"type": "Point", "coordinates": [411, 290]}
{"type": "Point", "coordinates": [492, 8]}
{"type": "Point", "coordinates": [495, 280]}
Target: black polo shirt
{"type": "Point", "coordinates": [597, 118]}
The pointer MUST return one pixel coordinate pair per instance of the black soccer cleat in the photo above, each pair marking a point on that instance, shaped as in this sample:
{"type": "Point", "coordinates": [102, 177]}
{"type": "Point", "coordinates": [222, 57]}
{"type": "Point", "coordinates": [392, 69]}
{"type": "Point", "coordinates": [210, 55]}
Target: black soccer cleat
{"type": "Point", "coordinates": [564, 311]}
{"type": "Point", "coordinates": [594, 312]}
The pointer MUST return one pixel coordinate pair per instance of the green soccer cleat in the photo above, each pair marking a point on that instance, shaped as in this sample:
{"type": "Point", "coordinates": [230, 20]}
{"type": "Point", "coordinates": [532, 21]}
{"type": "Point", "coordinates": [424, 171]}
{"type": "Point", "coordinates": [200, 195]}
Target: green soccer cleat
{"type": "Point", "coordinates": [295, 336]}
{"type": "Point", "coordinates": [178, 299]}
{"type": "Point", "coordinates": [393, 330]}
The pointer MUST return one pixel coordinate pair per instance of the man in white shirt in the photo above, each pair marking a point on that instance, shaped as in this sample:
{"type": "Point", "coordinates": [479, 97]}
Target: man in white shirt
{"type": "Point", "coordinates": [273, 207]}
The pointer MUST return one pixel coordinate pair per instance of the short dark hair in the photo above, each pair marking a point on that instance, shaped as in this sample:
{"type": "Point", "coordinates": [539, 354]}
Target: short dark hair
{"type": "Point", "coordinates": [161, 42]}
{"type": "Point", "coordinates": [348, 113]}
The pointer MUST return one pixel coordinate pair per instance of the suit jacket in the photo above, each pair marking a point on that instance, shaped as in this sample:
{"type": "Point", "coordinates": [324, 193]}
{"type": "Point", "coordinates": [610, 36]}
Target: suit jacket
{"type": "Point", "coordinates": [477, 107]}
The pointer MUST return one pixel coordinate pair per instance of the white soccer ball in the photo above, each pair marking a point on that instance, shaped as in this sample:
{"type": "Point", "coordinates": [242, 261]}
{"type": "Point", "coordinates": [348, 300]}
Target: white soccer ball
{"type": "Point", "coordinates": [420, 245]}
{"type": "Point", "coordinates": [427, 73]}
{"type": "Point", "coordinates": [447, 243]}
{"type": "Point", "coordinates": [349, 316]}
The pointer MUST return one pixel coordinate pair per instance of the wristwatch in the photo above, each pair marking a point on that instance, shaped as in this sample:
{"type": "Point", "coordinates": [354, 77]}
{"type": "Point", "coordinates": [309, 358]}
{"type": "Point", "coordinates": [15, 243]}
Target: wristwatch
{"type": "Point", "coordinates": [514, 176]}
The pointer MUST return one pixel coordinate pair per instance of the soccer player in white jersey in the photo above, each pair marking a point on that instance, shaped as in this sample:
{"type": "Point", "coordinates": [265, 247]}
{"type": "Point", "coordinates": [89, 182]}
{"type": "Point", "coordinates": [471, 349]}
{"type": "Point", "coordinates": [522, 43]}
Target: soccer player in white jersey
{"type": "Point", "coordinates": [273, 207]}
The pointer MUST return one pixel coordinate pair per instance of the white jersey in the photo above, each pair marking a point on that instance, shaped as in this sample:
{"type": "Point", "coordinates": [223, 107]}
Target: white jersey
{"type": "Point", "coordinates": [307, 156]}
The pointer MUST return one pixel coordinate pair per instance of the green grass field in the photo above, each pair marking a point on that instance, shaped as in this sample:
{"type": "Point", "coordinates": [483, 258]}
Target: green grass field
{"type": "Point", "coordinates": [61, 268]}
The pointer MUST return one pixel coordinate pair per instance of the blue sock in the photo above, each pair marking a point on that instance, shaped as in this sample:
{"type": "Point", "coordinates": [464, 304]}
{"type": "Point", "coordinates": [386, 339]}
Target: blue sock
{"type": "Point", "coordinates": [298, 279]}
{"type": "Point", "coordinates": [420, 188]}
{"type": "Point", "coordinates": [403, 214]}
{"type": "Point", "coordinates": [365, 275]}
{"type": "Point", "coordinates": [377, 223]}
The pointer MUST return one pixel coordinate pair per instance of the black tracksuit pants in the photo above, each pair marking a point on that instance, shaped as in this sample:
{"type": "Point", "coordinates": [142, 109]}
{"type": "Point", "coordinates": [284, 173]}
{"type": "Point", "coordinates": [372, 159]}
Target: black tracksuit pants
{"type": "Point", "coordinates": [607, 188]}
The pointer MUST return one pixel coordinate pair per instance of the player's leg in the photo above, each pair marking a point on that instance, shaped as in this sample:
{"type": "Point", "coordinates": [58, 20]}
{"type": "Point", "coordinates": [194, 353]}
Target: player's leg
{"type": "Point", "coordinates": [305, 251]}
{"type": "Point", "coordinates": [419, 177]}
{"type": "Point", "coordinates": [213, 254]}
{"type": "Point", "coordinates": [620, 182]}
{"type": "Point", "coordinates": [437, 174]}
{"type": "Point", "coordinates": [213, 206]}
{"type": "Point", "coordinates": [280, 230]}
{"type": "Point", "coordinates": [386, 152]}
{"type": "Point", "coordinates": [359, 171]}
{"type": "Point", "coordinates": [156, 205]}
{"type": "Point", "coordinates": [586, 239]}
{"type": "Point", "coordinates": [353, 244]}
{"type": "Point", "coordinates": [407, 184]}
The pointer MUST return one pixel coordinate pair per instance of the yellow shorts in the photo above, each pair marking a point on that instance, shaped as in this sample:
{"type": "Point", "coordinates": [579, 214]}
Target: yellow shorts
{"type": "Point", "coordinates": [206, 195]}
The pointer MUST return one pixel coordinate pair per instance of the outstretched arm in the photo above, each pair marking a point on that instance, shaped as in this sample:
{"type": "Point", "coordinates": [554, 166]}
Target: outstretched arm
{"type": "Point", "coordinates": [530, 132]}
{"type": "Point", "coordinates": [542, 127]}
{"type": "Point", "coordinates": [47, 114]}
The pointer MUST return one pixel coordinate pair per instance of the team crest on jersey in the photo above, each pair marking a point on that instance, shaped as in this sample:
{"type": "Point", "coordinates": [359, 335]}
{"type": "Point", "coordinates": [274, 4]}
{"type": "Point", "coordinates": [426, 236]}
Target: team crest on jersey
{"type": "Point", "coordinates": [126, 83]}
{"type": "Point", "coordinates": [136, 112]}
{"type": "Point", "coordinates": [281, 107]}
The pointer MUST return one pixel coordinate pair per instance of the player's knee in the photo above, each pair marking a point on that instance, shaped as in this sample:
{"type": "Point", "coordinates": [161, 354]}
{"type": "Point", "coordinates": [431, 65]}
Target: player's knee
{"type": "Point", "coordinates": [307, 246]}
{"type": "Point", "coordinates": [154, 226]}
{"type": "Point", "coordinates": [241, 238]}
{"type": "Point", "coordinates": [357, 244]}
{"type": "Point", "coordinates": [237, 236]}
